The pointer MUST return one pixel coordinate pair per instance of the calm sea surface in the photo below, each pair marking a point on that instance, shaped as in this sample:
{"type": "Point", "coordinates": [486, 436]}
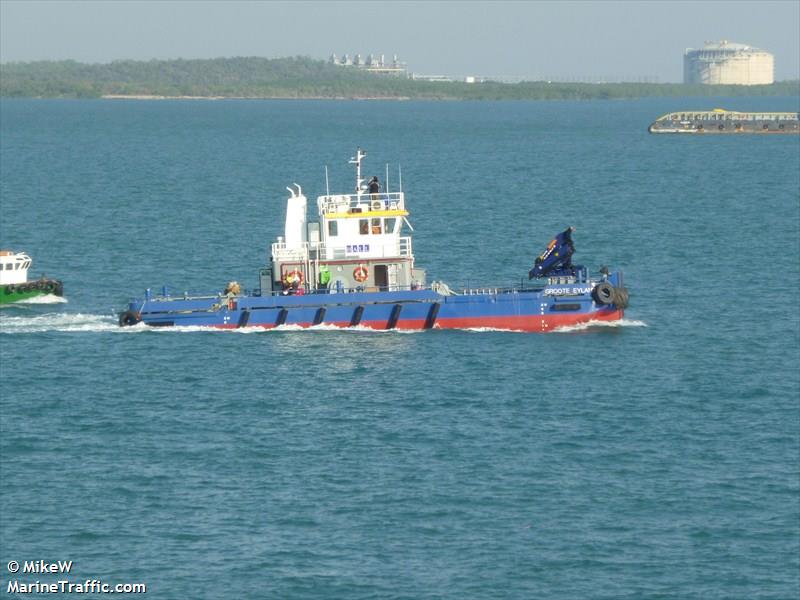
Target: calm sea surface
{"type": "Point", "coordinates": [659, 458]}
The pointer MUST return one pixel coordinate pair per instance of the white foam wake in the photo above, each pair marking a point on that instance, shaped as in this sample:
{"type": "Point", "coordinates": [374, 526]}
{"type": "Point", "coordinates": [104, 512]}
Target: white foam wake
{"type": "Point", "coordinates": [594, 325]}
{"type": "Point", "coordinates": [56, 322]}
{"type": "Point", "coordinates": [45, 299]}
{"type": "Point", "coordinates": [490, 330]}
{"type": "Point", "coordinates": [80, 322]}
{"type": "Point", "coordinates": [298, 328]}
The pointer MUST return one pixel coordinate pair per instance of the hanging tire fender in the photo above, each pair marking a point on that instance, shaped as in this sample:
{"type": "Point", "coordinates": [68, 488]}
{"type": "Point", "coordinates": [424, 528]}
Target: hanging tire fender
{"type": "Point", "coordinates": [128, 319]}
{"type": "Point", "coordinates": [603, 293]}
{"type": "Point", "coordinates": [620, 297]}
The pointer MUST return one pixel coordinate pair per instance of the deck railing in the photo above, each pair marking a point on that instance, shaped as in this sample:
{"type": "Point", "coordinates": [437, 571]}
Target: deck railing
{"type": "Point", "coordinates": [730, 116]}
{"type": "Point", "coordinates": [366, 202]}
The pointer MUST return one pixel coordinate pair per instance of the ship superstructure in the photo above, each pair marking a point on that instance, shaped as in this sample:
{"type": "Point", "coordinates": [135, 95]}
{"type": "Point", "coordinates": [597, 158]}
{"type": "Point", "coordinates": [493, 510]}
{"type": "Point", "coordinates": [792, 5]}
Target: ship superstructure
{"type": "Point", "coordinates": [357, 243]}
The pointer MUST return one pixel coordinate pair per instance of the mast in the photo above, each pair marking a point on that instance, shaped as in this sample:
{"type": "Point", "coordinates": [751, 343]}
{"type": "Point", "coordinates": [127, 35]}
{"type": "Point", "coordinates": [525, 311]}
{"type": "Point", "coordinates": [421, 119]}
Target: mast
{"type": "Point", "coordinates": [357, 162]}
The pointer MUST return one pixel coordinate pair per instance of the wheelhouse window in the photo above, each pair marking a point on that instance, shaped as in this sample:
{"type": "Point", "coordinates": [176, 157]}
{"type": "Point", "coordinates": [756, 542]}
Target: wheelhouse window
{"type": "Point", "coordinates": [363, 226]}
{"type": "Point", "coordinates": [391, 223]}
{"type": "Point", "coordinates": [376, 226]}
{"type": "Point", "coordinates": [333, 228]}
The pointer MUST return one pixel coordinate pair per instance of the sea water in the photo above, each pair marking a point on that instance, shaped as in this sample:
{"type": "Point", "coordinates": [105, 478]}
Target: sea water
{"type": "Point", "coordinates": [653, 458]}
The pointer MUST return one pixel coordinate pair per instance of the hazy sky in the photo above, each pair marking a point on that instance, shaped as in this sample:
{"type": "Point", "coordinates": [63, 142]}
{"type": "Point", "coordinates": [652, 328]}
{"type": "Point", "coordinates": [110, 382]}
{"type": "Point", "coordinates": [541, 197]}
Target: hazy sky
{"type": "Point", "coordinates": [586, 41]}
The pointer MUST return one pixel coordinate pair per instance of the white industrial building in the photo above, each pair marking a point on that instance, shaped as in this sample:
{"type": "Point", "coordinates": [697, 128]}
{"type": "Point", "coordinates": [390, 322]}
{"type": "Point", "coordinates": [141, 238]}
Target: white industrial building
{"type": "Point", "coordinates": [373, 64]}
{"type": "Point", "coordinates": [728, 63]}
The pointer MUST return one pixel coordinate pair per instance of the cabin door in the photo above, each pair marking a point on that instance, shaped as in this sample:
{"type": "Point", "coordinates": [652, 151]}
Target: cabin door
{"type": "Point", "coordinates": [381, 277]}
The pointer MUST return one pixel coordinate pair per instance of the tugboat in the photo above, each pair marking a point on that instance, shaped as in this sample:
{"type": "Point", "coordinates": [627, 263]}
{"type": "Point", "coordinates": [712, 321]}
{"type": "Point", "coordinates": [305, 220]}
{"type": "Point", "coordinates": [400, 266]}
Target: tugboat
{"type": "Point", "coordinates": [14, 284]}
{"type": "Point", "coordinates": [355, 268]}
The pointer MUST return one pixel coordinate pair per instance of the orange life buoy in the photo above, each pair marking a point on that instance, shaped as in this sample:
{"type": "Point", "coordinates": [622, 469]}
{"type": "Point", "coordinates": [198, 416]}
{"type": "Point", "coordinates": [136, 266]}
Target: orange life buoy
{"type": "Point", "coordinates": [361, 273]}
{"type": "Point", "coordinates": [289, 279]}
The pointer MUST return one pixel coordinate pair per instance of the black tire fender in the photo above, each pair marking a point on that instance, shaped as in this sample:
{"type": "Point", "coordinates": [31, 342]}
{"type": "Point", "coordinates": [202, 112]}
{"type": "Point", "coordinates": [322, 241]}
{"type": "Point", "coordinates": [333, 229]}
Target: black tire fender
{"type": "Point", "coordinates": [620, 297]}
{"type": "Point", "coordinates": [128, 319]}
{"type": "Point", "coordinates": [603, 293]}
{"type": "Point", "coordinates": [10, 289]}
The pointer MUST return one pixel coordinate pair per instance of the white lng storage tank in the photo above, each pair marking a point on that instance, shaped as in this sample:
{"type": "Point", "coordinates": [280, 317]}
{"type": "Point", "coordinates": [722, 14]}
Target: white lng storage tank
{"type": "Point", "coordinates": [728, 63]}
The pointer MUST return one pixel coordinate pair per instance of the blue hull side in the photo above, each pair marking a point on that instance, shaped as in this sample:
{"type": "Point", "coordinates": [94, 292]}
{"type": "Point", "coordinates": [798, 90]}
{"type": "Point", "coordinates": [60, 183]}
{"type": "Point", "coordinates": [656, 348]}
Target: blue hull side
{"type": "Point", "coordinates": [539, 310]}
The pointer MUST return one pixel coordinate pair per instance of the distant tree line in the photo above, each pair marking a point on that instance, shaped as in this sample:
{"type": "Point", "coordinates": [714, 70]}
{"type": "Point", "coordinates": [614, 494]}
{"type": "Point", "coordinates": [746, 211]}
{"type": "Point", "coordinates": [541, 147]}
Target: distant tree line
{"type": "Point", "coordinates": [302, 77]}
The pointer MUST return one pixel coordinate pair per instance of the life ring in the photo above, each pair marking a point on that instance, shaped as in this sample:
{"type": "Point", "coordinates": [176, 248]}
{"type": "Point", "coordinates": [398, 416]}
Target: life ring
{"type": "Point", "coordinates": [289, 279]}
{"type": "Point", "coordinates": [360, 273]}
{"type": "Point", "coordinates": [603, 293]}
{"type": "Point", "coordinates": [128, 319]}
{"type": "Point", "coordinates": [377, 205]}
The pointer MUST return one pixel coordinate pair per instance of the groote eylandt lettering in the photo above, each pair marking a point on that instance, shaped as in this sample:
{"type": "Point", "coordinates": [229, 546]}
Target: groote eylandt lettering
{"type": "Point", "coordinates": [567, 291]}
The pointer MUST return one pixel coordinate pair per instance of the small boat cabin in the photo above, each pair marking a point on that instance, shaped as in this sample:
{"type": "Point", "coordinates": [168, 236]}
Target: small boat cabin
{"type": "Point", "coordinates": [14, 267]}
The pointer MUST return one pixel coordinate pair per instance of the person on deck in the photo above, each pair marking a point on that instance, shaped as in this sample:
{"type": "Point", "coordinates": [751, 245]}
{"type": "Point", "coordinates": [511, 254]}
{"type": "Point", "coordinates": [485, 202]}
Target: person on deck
{"type": "Point", "coordinates": [324, 277]}
{"type": "Point", "coordinates": [296, 288]}
{"type": "Point", "coordinates": [374, 187]}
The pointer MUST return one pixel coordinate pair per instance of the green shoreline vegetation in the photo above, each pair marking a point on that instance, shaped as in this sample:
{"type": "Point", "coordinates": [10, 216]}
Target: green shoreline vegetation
{"type": "Point", "coordinates": [303, 77]}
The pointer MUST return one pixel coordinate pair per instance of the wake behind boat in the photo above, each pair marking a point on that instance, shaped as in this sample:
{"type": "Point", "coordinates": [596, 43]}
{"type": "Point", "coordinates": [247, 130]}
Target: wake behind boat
{"type": "Point", "coordinates": [355, 267]}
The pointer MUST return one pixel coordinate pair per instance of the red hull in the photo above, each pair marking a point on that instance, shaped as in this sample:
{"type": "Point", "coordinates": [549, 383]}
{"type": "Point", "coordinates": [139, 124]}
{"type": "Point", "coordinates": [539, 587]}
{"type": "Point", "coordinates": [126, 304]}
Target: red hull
{"type": "Point", "coordinates": [534, 324]}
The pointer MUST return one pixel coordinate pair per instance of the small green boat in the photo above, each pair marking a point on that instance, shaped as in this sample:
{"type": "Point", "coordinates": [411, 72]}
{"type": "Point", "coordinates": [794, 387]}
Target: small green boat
{"type": "Point", "coordinates": [14, 284]}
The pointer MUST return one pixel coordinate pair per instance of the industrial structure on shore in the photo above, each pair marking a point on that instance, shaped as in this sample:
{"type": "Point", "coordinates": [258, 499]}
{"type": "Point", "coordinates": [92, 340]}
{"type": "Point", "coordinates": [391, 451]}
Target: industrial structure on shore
{"type": "Point", "coordinates": [728, 63]}
{"type": "Point", "coordinates": [378, 64]}
{"type": "Point", "coordinates": [716, 63]}
{"type": "Point", "coordinates": [372, 64]}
